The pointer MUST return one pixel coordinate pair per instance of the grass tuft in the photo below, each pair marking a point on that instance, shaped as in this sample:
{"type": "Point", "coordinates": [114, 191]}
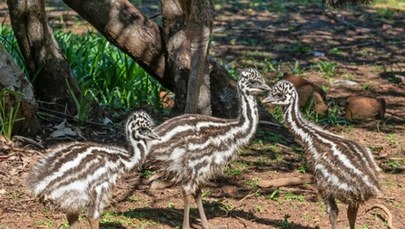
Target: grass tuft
{"type": "Point", "coordinates": [105, 74]}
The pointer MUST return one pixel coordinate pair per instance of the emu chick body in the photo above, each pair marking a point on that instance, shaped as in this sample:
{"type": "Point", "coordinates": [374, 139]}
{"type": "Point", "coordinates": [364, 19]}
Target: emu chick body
{"type": "Point", "coordinates": [77, 175]}
{"type": "Point", "coordinates": [194, 148]}
{"type": "Point", "coordinates": [342, 169]}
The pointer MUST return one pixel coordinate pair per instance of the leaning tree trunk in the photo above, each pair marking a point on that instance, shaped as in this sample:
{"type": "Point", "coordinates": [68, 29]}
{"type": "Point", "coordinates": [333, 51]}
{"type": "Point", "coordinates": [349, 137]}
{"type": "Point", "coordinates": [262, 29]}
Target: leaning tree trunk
{"type": "Point", "coordinates": [12, 79]}
{"type": "Point", "coordinates": [49, 70]}
{"type": "Point", "coordinates": [163, 53]}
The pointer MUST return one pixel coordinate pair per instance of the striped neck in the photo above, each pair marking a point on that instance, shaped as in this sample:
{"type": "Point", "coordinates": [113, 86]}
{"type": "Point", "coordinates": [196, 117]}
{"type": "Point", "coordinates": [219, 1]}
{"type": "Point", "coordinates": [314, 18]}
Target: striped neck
{"type": "Point", "coordinates": [136, 154]}
{"type": "Point", "coordinates": [294, 119]}
{"type": "Point", "coordinates": [248, 116]}
{"type": "Point", "coordinates": [341, 154]}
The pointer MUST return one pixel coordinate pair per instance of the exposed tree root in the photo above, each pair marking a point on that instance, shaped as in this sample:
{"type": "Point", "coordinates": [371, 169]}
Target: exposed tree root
{"type": "Point", "coordinates": [289, 181]}
{"type": "Point", "coordinates": [386, 211]}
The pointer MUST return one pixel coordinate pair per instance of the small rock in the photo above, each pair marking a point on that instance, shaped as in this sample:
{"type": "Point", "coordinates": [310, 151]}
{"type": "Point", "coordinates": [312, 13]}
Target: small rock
{"type": "Point", "coordinates": [318, 54]}
{"type": "Point", "coordinates": [363, 108]}
{"type": "Point", "coordinates": [65, 132]}
{"type": "Point", "coordinates": [386, 27]}
{"type": "Point", "coordinates": [349, 83]}
{"type": "Point", "coordinates": [310, 95]}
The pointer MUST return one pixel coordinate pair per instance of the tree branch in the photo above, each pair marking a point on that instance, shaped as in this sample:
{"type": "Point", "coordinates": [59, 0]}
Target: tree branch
{"type": "Point", "coordinates": [128, 29]}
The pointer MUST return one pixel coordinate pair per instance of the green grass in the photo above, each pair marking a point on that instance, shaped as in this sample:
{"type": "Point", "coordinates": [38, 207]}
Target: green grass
{"type": "Point", "coordinates": [9, 114]}
{"type": "Point", "coordinates": [252, 183]}
{"type": "Point", "coordinates": [110, 76]}
{"type": "Point", "coordinates": [328, 69]}
{"type": "Point", "coordinates": [105, 74]}
{"type": "Point", "coordinates": [284, 224]}
{"type": "Point", "coordinates": [289, 196]}
{"type": "Point", "coordinates": [236, 168]}
{"type": "Point", "coordinates": [47, 223]}
{"type": "Point", "coordinates": [390, 4]}
{"type": "Point", "coordinates": [128, 220]}
{"type": "Point", "coordinates": [274, 195]}
{"type": "Point", "coordinates": [296, 68]}
{"type": "Point", "coordinates": [299, 48]}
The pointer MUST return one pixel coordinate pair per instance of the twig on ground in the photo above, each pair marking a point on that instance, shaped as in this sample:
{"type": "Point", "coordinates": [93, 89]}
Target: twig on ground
{"type": "Point", "coordinates": [61, 115]}
{"type": "Point", "coordinates": [29, 140]}
{"type": "Point", "coordinates": [386, 211]}
{"type": "Point", "coordinates": [248, 195]}
{"type": "Point", "coordinates": [289, 181]}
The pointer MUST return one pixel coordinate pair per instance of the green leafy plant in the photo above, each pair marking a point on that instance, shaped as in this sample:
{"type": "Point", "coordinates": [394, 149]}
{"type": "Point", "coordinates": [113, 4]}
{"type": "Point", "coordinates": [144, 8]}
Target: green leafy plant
{"type": "Point", "coordinates": [335, 51]}
{"type": "Point", "coordinates": [303, 168]}
{"type": "Point", "coordinates": [274, 195]}
{"type": "Point", "coordinates": [107, 74]}
{"type": "Point", "coordinates": [8, 114]}
{"type": "Point", "coordinates": [258, 207]}
{"type": "Point", "coordinates": [47, 223]}
{"type": "Point", "coordinates": [103, 71]}
{"type": "Point", "coordinates": [227, 207]}
{"type": "Point", "coordinates": [284, 224]}
{"type": "Point", "coordinates": [392, 139]}
{"type": "Point", "coordinates": [292, 196]}
{"type": "Point", "coordinates": [272, 66]}
{"type": "Point", "coordinates": [328, 69]}
{"type": "Point", "coordinates": [300, 48]}
{"type": "Point", "coordinates": [236, 168]}
{"type": "Point", "coordinates": [83, 105]}
{"type": "Point", "coordinates": [393, 165]}
{"type": "Point", "coordinates": [252, 183]}
{"type": "Point", "coordinates": [296, 68]}
{"type": "Point", "coordinates": [206, 193]}
{"type": "Point", "coordinates": [146, 173]}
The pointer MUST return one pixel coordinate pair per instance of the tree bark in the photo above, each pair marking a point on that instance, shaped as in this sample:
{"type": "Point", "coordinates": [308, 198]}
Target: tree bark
{"type": "Point", "coordinates": [12, 78]}
{"type": "Point", "coordinates": [177, 47]}
{"type": "Point", "coordinates": [49, 70]}
{"type": "Point", "coordinates": [127, 28]}
{"type": "Point", "coordinates": [163, 53]}
{"type": "Point", "coordinates": [199, 19]}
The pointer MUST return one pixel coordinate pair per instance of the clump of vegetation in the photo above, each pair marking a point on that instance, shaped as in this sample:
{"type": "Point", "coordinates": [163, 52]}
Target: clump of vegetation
{"type": "Point", "coordinates": [105, 74]}
{"type": "Point", "coordinates": [8, 114]}
{"type": "Point", "coordinates": [328, 69]}
{"type": "Point", "coordinates": [110, 76]}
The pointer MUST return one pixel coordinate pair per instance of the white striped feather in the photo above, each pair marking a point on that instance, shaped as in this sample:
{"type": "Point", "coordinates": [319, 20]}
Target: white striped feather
{"type": "Point", "coordinates": [342, 164]}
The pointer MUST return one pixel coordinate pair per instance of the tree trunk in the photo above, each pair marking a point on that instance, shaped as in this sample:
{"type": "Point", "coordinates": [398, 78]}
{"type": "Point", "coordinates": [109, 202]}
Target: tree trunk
{"type": "Point", "coordinates": [199, 19]}
{"type": "Point", "coordinates": [163, 53]}
{"type": "Point", "coordinates": [12, 78]}
{"type": "Point", "coordinates": [49, 70]}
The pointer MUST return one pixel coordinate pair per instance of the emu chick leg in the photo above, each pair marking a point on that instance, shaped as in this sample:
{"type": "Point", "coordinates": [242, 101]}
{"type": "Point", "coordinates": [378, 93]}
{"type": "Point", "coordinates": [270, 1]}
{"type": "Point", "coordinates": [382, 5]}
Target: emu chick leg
{"type": "Point", "coordinates": [93, 223]}
{"type": "Point", "coordinates": [186, 215]}
{"type": "Point", "coordinates": [352, 214]}
{"type": "Point", "coordinates": [198, 200]}
{"type": "Point", "coordinates": [333, 211]}
{"type": "Point", "coordinates": [204, 221]}
{"type": "Point", "coordinates": [73, 220]}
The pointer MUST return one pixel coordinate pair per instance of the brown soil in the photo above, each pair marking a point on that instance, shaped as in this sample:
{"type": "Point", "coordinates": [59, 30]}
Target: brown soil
{"type": "Point", "coordinates": [369, 55]}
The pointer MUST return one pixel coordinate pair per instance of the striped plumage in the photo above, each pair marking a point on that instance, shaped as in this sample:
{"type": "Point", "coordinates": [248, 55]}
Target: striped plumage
{"type": "Point", "coordinates": [77, 175]}
{"type": "Point", "coordinates": [342, 168]}
{"type": "Point", "coordinates": [194, 148]}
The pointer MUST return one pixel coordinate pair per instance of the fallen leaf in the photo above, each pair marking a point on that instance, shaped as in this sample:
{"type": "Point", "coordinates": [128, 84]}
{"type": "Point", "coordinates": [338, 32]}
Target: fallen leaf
{"type": "Point", "coordinates": [63, 133]}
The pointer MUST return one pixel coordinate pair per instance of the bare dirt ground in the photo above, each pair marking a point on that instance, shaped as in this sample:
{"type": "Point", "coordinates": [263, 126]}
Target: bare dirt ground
{"type": "Point", "coordinates": [367, 46]}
